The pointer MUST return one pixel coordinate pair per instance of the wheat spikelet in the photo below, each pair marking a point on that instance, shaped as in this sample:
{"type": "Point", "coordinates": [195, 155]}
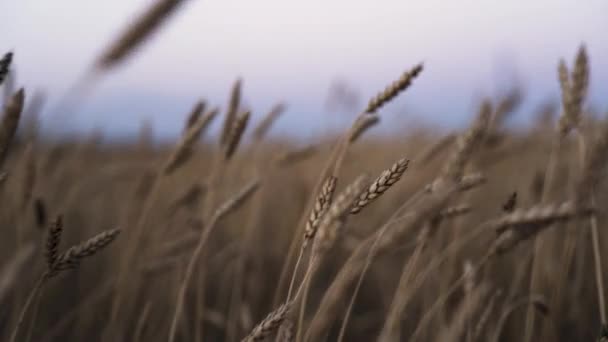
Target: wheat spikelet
{"type": "Point", "coordinates": [467, 144]}
{"type": "Point", "coordinates": [269, 325]}
{"type": "Point", "coordinates": [183, 151]}
{"type": "Point", "coordinates": [286, 333]}
{"type": "Point", "coordinates": [10, 121]}
{"type": "Point", "coordinates": [292, 157]}
{"type": "Point", "coordinates": [335, 217]}
{"type": "Point", "coordinates": [53, 240]}
{"type": "Point", "coordinates": [507, 105]}
{"type": "Point", "coordinates": [387, 179]}
{"type": "Point", "coordinates": [580, 84]}
{"type": "Point", "coordinates": [522, 224]}
{"type": "Point", "coordinates": [140, 30]}
{"type": "Point", "coordinates": [394, 89]}
{"type": "Point", "coordinates": [454, 211]}
{"type": "Point", "coordinates": [237, 199]}
{"type": "Point", "coordinates": [40, 216]}
{"type": "Point", "coordinates": [194, 116]}
{"type": "Point", "coordinates": [71, 258]}
{"type": "Point", "coordinates": [264, 126]}
{"type": "Point", "coordinates": [231, 113]}
{"type": "Point", "coordinates": [510, 204]}
{"type": "Point", "coordinates": [363, 123]}
{"type": "Point", "coordinates": [322, 203]}
{"type": "Point", "coordinates": [236, 134]}
{"type": "Point", "coordinates": [5, 64]}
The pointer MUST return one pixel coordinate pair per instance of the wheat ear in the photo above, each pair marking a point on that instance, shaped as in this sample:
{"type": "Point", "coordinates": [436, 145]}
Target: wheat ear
{"type": "Point", "coordinates": [10, 121]}
{"type": "Point", "coordinates": [5, 65]}
{"type": "Point", "coordinates": [140, 30]}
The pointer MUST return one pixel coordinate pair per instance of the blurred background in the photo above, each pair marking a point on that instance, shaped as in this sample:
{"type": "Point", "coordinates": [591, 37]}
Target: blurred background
{"type": "Point", "coordinates": [323, 58]}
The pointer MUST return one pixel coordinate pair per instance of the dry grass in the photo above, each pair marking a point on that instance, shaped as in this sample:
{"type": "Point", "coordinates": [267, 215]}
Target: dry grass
{"type": "Point", "coordinates": [215, 237]}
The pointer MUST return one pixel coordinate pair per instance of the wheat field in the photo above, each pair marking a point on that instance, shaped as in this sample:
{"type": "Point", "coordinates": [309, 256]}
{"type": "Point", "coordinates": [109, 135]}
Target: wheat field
{"type": "Point", "coordinates": [486, 234]}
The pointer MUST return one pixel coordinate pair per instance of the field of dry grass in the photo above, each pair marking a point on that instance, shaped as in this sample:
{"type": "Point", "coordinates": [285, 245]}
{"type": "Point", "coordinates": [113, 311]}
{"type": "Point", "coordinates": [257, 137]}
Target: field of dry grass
{"type": "Point", "coordinates": [487, 234]}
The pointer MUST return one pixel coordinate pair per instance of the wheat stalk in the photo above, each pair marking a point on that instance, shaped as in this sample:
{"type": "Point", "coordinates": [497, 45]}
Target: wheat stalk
{"type": "Point", "coordinates": [140, 30]}
{"type": "Point", "coordinates": [222, 210]}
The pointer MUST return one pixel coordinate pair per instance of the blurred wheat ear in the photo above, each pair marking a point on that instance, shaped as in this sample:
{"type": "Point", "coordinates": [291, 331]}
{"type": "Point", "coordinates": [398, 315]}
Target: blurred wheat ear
{"type": "Point", "coordinates": [10, 121]}
{"type": "Point", "coordinates": [5, 64]}
{"type": "Point", "coordinates": [138, 32]}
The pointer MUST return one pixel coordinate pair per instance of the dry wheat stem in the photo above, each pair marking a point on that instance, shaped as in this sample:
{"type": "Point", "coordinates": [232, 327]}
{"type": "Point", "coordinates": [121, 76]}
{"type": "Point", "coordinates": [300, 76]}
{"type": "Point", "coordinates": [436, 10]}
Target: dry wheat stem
{"type": "Point", "coordinates": [221, 211]}
{"type": "Point", "coordinates": [430, 312]}
{"type": "Point", "coordinates": [537, 302]}
{"type": "Point", "coordinates": [9, 274]}
{"type": "Point", "coordinates": [463, 315]}
{"type": "Point", "coordinates": [594, 162]}
{"type": "Point", "coordinates": [485, 316]}
{"type": "Point", "coordinates": [39, 284]}
{"type": "Point", "coordinates": [390, 330]}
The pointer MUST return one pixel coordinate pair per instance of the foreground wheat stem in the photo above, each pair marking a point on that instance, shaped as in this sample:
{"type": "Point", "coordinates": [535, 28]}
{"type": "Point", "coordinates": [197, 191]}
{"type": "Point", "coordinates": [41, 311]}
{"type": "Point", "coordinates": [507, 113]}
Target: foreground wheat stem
{"type": "Point", "coordinates": [28, 303]}
{"type": "Point", "coordinates": [390, 330]}
{"type": "Point", "coordinates": [428, 315]}
{"type": "Point", "coordinates": [219, 213]}
{"type": "Point", "coordinates": [597, 258]}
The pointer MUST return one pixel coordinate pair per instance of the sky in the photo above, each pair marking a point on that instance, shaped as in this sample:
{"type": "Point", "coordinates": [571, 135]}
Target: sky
{"type": "Point", "coordinates": [293, 51]}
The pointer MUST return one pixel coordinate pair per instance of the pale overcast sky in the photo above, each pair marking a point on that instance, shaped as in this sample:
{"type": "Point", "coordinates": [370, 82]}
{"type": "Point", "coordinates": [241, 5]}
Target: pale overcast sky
{"type": "Point", "coordinates": [292, 50]}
